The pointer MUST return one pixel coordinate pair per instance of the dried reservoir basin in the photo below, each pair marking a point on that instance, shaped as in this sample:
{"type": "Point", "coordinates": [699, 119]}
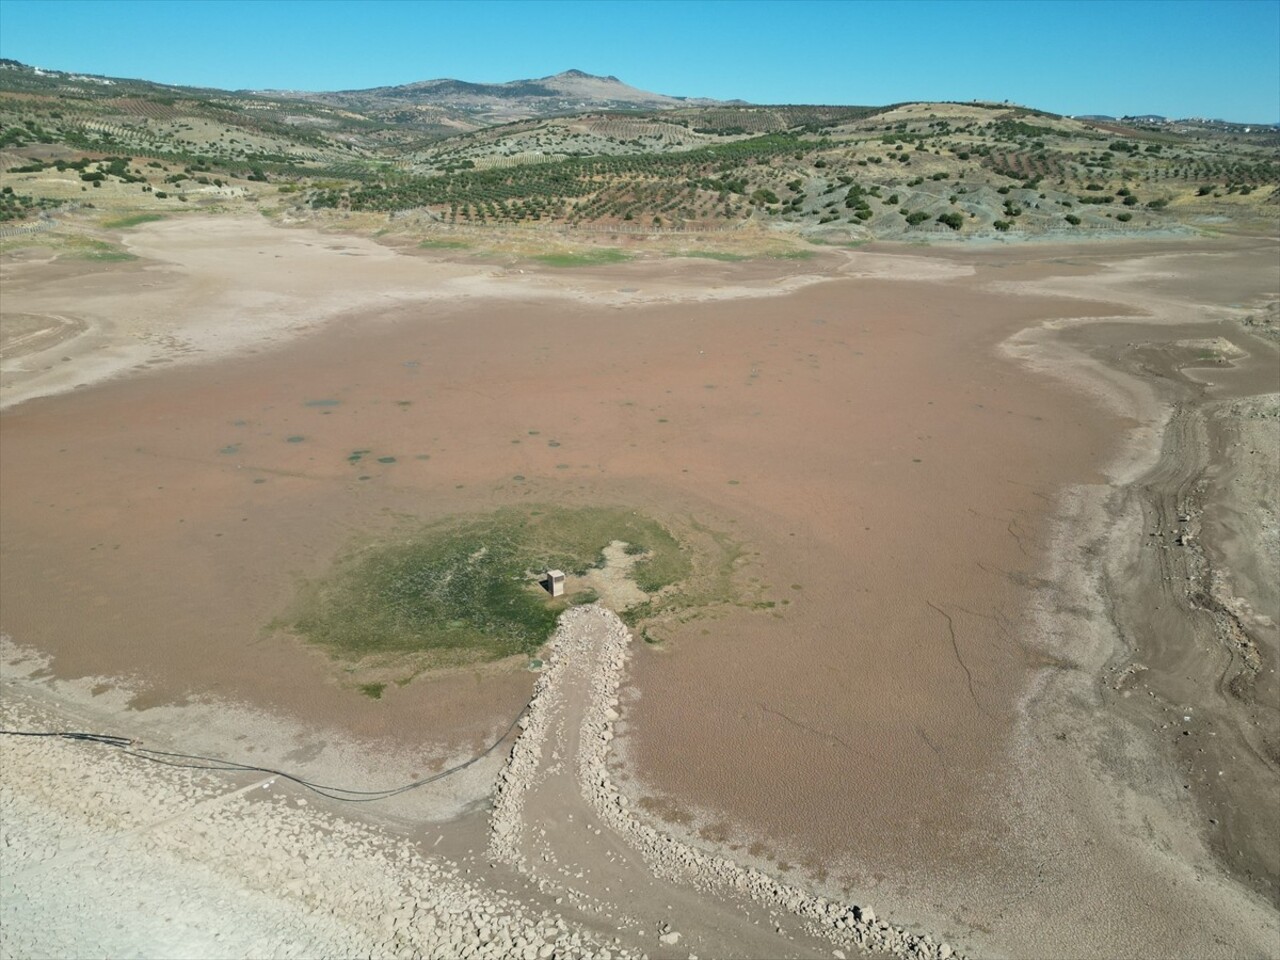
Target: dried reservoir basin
{"type": "Point", "coordinates": [884, 470]}
{"type": "Point", "coordinates": [887, 474]}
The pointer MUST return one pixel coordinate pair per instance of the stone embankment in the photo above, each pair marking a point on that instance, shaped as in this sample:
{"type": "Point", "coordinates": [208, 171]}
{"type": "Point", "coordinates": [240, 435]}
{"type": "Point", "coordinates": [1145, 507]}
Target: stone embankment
{"type": "Point", "coordinates": [596, 636]}
{"type": "Point", "coordinates": [105, 855]}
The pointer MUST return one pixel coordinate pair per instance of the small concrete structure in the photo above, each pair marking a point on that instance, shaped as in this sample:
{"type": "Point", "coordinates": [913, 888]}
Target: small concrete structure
{"type": "Point", "coordinates": [554, 582]}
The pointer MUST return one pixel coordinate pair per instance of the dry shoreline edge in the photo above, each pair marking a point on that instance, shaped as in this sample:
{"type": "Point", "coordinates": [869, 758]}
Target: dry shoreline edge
{"type": "Point", "coordinates": [196, 850]}
{"type": "Point", "coordinates": [1082, 516]}
{"type": "Point", "coordinates": [1095, 530]}
{"type": "Point", "coordinates": [108, 349]}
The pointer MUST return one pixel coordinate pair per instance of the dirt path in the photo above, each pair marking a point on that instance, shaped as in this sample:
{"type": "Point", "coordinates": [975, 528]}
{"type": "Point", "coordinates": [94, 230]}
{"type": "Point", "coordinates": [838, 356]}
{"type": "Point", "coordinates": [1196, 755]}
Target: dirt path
{"type": "Point", "coordinates": [560, 819]}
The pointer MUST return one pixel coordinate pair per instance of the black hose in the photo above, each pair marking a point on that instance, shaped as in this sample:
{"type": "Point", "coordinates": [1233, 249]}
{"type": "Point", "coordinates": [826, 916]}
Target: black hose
{"type": "Point", "coordinates": [170, 759]}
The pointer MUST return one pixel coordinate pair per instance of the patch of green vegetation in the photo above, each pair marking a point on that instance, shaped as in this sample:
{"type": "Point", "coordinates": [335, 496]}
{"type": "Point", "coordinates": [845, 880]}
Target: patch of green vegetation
{"type": "Point", "coordinates": [712, 255]}
{"type": "Point", "coordinates": [467, 591]}
{"type": "Point", "coordinates": [793, 255]}
{"type": "Point", "coordinates": [372, 690]}
{"type": "Point", "coordinates": [710, 585]}
{"type": "Point", "coordinates": [84, 248]}
{"type": "Point", "coordinates": [847, 244]}
{"type": "Point", "coordinates": [132, 221]}
{"type": "Point", "coordinates": [443, 245]}
{"type": "Point", "coordinates": [589, 258]}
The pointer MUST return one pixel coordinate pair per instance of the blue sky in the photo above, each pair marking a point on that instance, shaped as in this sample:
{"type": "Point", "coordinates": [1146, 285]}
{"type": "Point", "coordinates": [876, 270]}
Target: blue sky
{"type": "Point", "coordinates": [1173, 57]}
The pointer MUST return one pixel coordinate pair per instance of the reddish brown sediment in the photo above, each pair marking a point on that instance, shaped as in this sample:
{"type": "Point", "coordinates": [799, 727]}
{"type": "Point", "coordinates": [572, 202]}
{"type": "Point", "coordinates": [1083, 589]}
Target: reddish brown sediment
{"type": "Point", "coordinates": [891, 475]}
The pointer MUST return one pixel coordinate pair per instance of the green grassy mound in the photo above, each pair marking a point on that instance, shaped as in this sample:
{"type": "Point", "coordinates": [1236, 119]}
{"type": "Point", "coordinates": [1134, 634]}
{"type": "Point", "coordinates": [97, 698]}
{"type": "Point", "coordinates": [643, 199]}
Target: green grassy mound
{"type": "Point", "coordinates": [467, 591]}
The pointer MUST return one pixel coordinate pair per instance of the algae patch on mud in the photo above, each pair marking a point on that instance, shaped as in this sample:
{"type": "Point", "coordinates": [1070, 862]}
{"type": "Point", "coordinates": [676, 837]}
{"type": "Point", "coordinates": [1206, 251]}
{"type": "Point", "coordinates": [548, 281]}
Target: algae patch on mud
{"type": "Point", "coordinates": [468, 590]}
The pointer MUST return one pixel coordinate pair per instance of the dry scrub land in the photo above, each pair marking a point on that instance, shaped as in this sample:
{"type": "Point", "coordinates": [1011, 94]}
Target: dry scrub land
{"type": "Point", "coordinates": [913, 171]}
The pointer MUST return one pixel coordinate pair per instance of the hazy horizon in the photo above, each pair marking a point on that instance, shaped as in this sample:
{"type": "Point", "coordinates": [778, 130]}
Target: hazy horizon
{"type": "Point", "coordinates": [1182, 58]}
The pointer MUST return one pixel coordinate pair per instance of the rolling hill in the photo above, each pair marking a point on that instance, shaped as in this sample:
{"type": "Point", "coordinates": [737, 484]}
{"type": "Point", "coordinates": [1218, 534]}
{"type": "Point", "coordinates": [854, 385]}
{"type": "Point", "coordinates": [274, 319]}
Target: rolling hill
{"type": "Point", "coordinates": [572, 91]}
{"type": "Point", "coordinates": [575, 151]}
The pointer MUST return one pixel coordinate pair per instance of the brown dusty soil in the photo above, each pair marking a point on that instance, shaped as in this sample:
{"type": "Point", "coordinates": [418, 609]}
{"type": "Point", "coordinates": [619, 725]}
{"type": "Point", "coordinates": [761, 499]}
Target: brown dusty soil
{"type": "Point", "coordinates": [891, 474]}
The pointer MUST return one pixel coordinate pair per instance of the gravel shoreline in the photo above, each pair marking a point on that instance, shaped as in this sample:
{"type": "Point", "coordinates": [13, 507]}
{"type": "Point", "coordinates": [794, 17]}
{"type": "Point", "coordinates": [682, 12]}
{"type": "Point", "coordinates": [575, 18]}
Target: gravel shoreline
{"type": "Point", "coordinates": [105, 855]}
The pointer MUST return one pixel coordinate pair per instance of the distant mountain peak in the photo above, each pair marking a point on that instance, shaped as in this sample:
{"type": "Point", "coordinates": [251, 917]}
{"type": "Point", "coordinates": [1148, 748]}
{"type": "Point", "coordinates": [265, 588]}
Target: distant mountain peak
{"type": "Point", "coordinates": [582, 75]}
{"type": "Point", "coordinates": [570, 91]}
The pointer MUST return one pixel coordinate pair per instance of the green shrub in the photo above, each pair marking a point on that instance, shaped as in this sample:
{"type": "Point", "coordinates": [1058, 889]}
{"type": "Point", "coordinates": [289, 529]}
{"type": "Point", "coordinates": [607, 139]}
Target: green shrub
{"type": "Point", "coordinates": [952, 220]}
{"type": "Point", "coordinates": [1072, 219]}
